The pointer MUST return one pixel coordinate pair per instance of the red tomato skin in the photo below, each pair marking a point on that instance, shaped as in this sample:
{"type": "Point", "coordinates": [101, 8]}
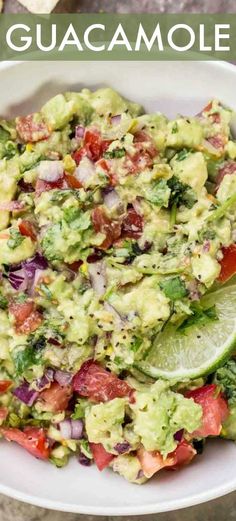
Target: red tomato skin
{"type": "Point", "coordinates": [102, 223]}
{"type": "Point", "coordinates": [182, 455]}
{"type": "Point", "coordinates": [4, 385]}
{"type": "Point", "coordinates": [56, 398]}
{"type": "Point", "coordinates": [32, 439]}
{"type": "Point", "coordinates": [132, 225]}
{"type": "Point", "coordinates": [214, 407]}
{"type": "Point", "coordinates": [228, 263]}
{"type": "Point", "coordinates": [97, 384]}
{"type": "Point", "coordinates": [101, 457]}
{"type": "Point", "coordinates": [79, 154]}
{"type": "Point", "coordinates": [45, 186]}
{"type": "Point", "coordinates": [27, 229]}
{"type": "Point", "coordinates": [95, 145]}
{"type": "Point", "coordinates": [72, 181]}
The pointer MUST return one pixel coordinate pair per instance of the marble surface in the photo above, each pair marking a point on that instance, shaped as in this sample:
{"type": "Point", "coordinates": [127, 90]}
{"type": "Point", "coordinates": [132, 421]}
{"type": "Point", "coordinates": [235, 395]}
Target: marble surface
{"type": "Point", "coordinates": [223, 509]}
{"type": "Point", "coordinates": [129, 6]}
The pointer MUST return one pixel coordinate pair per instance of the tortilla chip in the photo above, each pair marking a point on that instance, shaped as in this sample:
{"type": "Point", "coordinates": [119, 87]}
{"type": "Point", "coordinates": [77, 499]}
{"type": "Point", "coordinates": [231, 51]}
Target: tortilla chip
{"type": "Point", "coordinates": [39, 6]}
{"type": "Point", "coordinates": [1, 5]}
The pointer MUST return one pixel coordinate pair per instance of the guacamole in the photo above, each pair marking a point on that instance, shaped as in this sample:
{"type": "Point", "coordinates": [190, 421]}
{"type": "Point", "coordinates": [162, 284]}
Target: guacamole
{"type": "Point", "coordinates": [113, 224]}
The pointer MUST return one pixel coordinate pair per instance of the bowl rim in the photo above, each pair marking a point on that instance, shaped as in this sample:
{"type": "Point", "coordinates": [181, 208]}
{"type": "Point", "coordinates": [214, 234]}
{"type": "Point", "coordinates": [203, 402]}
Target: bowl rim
{"type": "Point", "coordinates": [152, 508]}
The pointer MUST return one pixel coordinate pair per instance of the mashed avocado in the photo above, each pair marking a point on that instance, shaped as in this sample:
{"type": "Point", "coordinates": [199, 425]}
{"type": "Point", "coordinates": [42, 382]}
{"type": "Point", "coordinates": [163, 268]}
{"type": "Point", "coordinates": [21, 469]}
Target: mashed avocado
{"type": "Point", "coordinates": [113, 224]}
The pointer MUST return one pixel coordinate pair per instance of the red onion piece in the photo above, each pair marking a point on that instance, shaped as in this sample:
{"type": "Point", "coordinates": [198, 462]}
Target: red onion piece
{"type": "Point", "coordinates": [63, 378]}
{"type": "Point", "coordinates": [10, 206]}
{"type": "Point", "coordinates": [193, 288]}
{"type": "Point", "coordinates": [97, 277]}
{"type": "Point", "coordinates": [23, 276]}
{"type": "Point", "coordinates": [206, 246]}
{"type": "Point", "coordinates": [85, 171]}
{"type": "Point", "coordinates": [115, 120]}
{"type": "Point", "coordinates": [37, 262]}
{"type": "Point", "coordinates": [111, 199]}
{"type": "Point", "coordinates": [83, 460]}
{"type": "Point", "coordinates": [77, 428]}
{"type": "Point", "coordinates": [123, 447]}
{"type": "Point", "coordinates": [71, 429]}
{"type": "Point", "coordinates": [79, 131]}
{"type": "Point", "coordinates": [50, 171]}
{"type": "Point", "coordinates": [46, 380]}
{"type": "Point", "coordinates": [25, 394]}
{"type": "Point", "coordinates": [18, 280]}
{"type": "Point", "coordinates": [65, 429]}
{"type": "Point", "coordinates": [179, 435]}
{"type": "Point", "coordinates": [25, 187]}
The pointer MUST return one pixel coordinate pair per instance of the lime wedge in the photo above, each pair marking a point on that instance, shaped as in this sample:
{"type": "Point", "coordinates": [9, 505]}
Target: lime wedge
{"type": "Point", "coordinates": [198, 350]}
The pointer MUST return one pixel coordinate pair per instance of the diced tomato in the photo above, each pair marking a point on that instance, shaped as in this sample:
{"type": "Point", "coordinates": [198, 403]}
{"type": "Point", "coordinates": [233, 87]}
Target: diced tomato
{"type": "Point", "coordinates": [101, 457]}
{"type": "Point", "coordinates": [95, 256]}
{"type": "Point", "coordinates": [214, 407]}
{"type": "Point", "coordinates": [218, 141]}
{"type": "Point", "coordinates": [31, 130]}
{"type": "Point", "coordinates": [45, 186]}
{"type": "Point", "coordinates": [96, 383]}
{"type": "Point", "coordinates": [72, 181]}
{"type": "Point", "coordinates": [75, 265]}
{"type": "Point", "coordinates": [56, 398]}
{"type": "Point", "coordinates": [21, 311]}
{"type": "Point", "coordinates": [79, 154]}
{"type": "Point", "coordinates": [28, 230]}
{"type": "Point", "coordinates": [95, 145]}
{"type": "Point", "coordinates": [183, 454]}
{"type": "Point", "coordinates": [3, 414]}
{"type": "Point", "coordinates": [228, 168]}
{"type": "Point", "coordinates": [215, 117]}
{"type": "Point", "coordinates": [132, 225]}
{"type": "Point", "coordinates": [228, 263]}
{"type": "Point", "coordinates": [30, 324]}
{"type": "Point", "coordinates": [27, 319]}
{"type": "Point", "coordinates": [152, 462]}
{"type": "Point", "coordinates": [32, 439]}
{"type": "Point", "coordinates": [207, 108]}
{"type": "Point", "coordinates": [102, 223]}
{"type": "Point", "coordinates": [4, 385]}
{"type": "Point", "coordinates": [102, 163]}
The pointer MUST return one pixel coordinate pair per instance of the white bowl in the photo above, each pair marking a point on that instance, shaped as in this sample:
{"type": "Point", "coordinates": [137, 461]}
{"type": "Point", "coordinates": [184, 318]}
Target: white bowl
{"type": "Point", "coordinates": [172, 87]}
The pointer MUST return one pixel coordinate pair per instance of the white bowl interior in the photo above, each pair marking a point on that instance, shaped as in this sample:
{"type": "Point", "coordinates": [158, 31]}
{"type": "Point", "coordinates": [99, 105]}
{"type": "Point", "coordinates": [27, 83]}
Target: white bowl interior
{"type": "Point", "coordinates": [171, 87]}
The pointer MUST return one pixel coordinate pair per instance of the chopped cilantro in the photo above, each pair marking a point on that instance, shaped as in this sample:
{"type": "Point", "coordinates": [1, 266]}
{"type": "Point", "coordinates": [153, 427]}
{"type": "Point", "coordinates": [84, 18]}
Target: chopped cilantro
{"type": "Point", "coordinates": [181, 193]}
{"type": "Point", "coordinates": [182, 154]}
{"type": "Point", "coordinates": [206, 235]}
{"type": "Point", "coordinates": [136, 344]}
{"type": "Point", "coordinates": [200, 317]}
{"type": "Point", "coordinates": [175, 128]}
{"type": "Point", "coordinates": [116, 153]}
{"type": "Point", "coordinates": [25, 359]}
{"type": "Point", "coordinates": [3, 302]}
{"type": "Point", "coordinates": [226, 377]}
{"type": "Point", "coordinates": [159, 193]}
{"type": "Point", "coordinates": [15, 238]}
{"type": "Point", "coordinates": [174, 288]}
